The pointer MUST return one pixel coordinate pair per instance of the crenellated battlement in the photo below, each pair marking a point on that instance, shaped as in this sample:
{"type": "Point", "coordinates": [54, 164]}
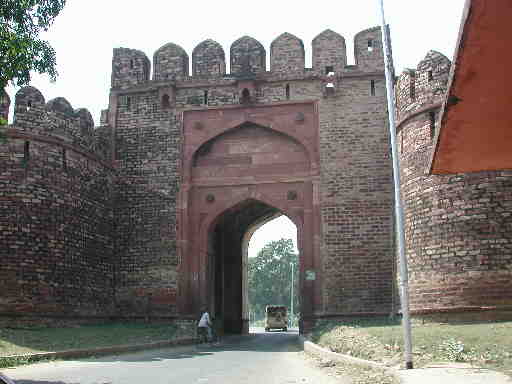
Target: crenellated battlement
{"type": "Point", "coordinates": [423, 86]}
{"type": "Point", "coordinates": [131, 67]}
{"type": "Point", "coordinates": [57, 120]}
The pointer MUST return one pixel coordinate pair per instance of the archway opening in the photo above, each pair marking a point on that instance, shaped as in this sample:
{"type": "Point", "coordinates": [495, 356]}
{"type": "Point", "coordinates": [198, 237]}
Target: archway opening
{"type": "Point", "coordinates": [227, 273]}
{"type": "Point", "coordinates": [273, 273]}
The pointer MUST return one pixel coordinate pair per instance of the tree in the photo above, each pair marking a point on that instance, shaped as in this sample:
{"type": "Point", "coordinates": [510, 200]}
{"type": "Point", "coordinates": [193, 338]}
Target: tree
{"type": "Point", "coordinates": [21, 50]}
{"type": "Point", "coordinates": [269, 276]}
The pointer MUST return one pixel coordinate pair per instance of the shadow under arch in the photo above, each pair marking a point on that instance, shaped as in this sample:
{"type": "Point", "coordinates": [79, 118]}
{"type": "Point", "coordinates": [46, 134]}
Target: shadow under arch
{"type": "Point", "coordinates": [223, 283]}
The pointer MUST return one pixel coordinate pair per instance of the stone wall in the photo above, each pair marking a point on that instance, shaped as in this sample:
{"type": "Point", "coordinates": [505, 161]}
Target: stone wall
{"type": "Point", "coordinates": [56, 214]}
{"type": "Point", "coordinates": [458, 227]}
{"type": "Point", "coordinates": [354, 191]}
{"type": "Point", "coordinates": [147, 157]}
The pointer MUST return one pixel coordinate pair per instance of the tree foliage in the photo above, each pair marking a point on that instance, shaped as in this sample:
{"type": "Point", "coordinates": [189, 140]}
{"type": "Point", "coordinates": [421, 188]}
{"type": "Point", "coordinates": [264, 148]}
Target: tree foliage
{"type": "Point", "coordinates": [269, 277]}
{"type": "Point", "coordinates": [21, 49]}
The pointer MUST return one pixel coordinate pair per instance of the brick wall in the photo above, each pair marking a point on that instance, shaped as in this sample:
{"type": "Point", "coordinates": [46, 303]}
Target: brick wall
{"type": "Point", "coordinates": [93, 213]}
{"type": "Point", "coordinates": [56, 217]}
{"type": "Point", "coordinates": [457, 226]}
{"type": "Point", "coordinates": [147, 157]}
{"type": "Point", "coordinates": [354, 190]}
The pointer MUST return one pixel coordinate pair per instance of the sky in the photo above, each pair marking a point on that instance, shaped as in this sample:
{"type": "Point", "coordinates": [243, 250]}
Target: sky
{"type": "Point", "coordinates": [85, 33]}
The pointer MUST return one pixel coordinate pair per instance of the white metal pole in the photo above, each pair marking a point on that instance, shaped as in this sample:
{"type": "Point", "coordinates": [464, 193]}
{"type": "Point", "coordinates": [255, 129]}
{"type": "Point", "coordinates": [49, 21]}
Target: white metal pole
{"type": "Point", "coordinates": [291, 301]}
{"type": "Point", "coordinates": [399, 212]}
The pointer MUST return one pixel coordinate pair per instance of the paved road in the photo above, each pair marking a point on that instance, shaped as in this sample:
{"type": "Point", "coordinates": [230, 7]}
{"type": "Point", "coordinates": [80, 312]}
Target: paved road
{"type": "Point", "coordinates": [263, 358]}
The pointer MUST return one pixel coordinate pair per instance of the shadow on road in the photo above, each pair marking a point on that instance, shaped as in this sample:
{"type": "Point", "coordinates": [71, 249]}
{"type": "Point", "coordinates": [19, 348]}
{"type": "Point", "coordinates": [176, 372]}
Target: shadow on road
{"type": "Point", "coordinates": [254, 342]}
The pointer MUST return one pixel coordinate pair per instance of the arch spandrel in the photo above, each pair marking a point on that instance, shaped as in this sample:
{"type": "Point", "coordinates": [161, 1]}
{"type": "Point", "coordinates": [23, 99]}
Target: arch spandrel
{"type": "Point", "coordinates": [249, 149]}
{"type": "Point", "coordinates": [236, 123]}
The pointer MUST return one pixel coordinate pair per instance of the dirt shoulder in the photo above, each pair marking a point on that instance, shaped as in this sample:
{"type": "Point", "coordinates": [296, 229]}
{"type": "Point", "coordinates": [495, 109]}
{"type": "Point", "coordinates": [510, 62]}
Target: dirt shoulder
{"type": "Point", "coordinates": [484, 345]}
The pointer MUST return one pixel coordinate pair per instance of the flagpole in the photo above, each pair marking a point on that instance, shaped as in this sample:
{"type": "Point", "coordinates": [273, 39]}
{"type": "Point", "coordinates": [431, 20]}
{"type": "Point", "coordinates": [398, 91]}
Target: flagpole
{"type": "Point", "coordinates": [399, 211]}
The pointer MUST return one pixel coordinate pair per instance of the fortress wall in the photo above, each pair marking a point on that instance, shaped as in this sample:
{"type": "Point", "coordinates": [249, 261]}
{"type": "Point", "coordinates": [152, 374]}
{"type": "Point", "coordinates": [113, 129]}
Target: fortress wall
{"type": "Point", "coordinates": [356, 199]}
{"type": "Point", "coordinates": [459, 242]}
{"type": "Point", "coordinates": [354, 190]}
{"type": "Point", "coordinates": [147, 156]}
{"type": "Point", "coordinates": [56, 216]}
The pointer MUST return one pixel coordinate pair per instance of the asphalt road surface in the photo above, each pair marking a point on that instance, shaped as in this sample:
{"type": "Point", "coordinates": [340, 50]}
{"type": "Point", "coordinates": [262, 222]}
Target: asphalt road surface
{"type": "Point", "coordinates": [263, 358]}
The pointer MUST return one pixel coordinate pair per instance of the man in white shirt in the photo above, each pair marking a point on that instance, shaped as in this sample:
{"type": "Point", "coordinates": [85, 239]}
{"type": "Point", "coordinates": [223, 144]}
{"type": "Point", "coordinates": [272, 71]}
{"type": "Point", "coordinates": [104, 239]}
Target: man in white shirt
{"type": "Point", "coordinates": [204, 330]}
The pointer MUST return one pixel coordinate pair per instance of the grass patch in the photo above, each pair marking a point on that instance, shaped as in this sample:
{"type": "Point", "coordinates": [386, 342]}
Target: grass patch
{"type": "Point", "coordinates": [487, 345]}
{"type": "Point", "coordinates": [37, 339]}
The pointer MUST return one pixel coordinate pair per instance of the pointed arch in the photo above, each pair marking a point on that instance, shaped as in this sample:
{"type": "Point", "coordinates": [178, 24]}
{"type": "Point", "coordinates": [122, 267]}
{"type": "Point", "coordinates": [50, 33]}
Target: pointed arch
{"type": "Point", "coordinates": [249, 148]}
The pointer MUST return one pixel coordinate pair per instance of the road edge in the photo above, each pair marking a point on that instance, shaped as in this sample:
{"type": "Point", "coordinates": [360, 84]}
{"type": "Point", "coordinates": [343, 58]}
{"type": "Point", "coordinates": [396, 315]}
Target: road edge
{"type": "Point", "coordinates": [13, 360]}
{"type": "Point", "coordinates": [316, 350]}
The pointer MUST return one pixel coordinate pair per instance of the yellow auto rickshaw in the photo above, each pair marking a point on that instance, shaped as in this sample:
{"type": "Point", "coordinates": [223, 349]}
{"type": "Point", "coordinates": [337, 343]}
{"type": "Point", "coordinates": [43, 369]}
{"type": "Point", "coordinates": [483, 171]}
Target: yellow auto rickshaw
{"type": "Point", "coordinates": [276, 317]}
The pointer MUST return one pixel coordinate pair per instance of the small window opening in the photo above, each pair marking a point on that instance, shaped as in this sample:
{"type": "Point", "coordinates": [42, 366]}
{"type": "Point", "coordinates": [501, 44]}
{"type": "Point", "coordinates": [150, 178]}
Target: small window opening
{"type": "Point", "coordinates": [246, 96]}
{"type": "Point", "coordinates": [432, 125]}
{"type": "Point", "coordinates": [64, 160]}
{"type": "Point", "coordinates": [430, 76]}
{"type": "Point", "coordinates": [370, 45]}
{"type": "Point", "coordinates": [372, 87]}
{"type": "Point", "coordinates": [29, 105]}
{"type": "Point", "coordinates": [412, 92]}
{"type": "Point", "coordinates": [205, 98]}
{"type": "Point", "coordinates": [26, 152]}
{"type": "Point", "coordinates": [128, 103]}
{"type": "Point", "coordinates": [131, 63]}
{"type": "Point", "coordinates": [329, 69]}
{"type": "Point", "coordinates": [287, 91]}
{"type": "Point", "coordinates": [166, 103]}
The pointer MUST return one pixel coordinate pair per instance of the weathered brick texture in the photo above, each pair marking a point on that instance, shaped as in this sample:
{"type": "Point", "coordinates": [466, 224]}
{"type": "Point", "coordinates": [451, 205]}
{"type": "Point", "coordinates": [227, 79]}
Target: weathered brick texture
{"type": "Point", "coordinates": [99, 221]}
{"type": "Point", "coordinates": [56, 215]}
{"type": "Point", "coordinates": [458, 227]}
{"type": "Point", "coordinates": [208, 59]}
{"type": "Point", "coordinates": [247, 56]}
{"type": "Point", "coordinates": [170, 62]}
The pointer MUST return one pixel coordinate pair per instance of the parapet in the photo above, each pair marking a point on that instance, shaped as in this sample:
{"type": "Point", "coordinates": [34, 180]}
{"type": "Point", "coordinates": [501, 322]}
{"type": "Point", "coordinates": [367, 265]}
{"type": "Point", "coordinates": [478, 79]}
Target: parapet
{"type": "Point", "coordinates": [208, 59]}
{"type": "Point", "coordinates": [5, 103]}
{"type": "Point", "coordinates": [329, 53]}
{"type": "Point", "coordinates": [247, 56]}
{"type": "Point", "coordinates": [287, 54]}
{"type": "Point", "coordinates": [56, 119]}
{"type": "Point", "coordinates": [170, 62]}
{"type": "Point", "coordinates": [129, 67]}
{"type": "Point", "coordinates": [26, 98]}
{"type": "Point", "coordinates": [425, 85]}
{"type": "Point", "coordinates": [368, 50]}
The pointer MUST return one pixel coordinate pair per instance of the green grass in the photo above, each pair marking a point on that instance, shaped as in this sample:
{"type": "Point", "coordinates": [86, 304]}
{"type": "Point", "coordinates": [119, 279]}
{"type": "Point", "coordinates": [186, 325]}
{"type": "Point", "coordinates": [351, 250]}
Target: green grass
{"type": "Point", "coordinates": [33, 340]}
{"type": "Point", "coordinates": [487, 345]}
